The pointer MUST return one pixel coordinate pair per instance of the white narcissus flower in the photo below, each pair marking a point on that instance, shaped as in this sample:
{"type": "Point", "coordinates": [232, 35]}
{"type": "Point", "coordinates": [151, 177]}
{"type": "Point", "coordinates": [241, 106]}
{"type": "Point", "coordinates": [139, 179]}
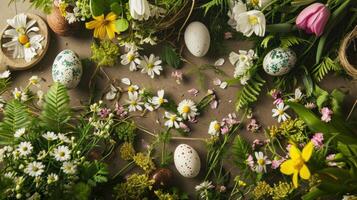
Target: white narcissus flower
{"type": "Point", "coordinates": [34, 169]}
{"type": "Point", "coordinates": [19, 132]}
{"type": "Point", "coordinates": [187, 109]}
{"type": "Point", "coordinates": [214, 128]}
{"type": "Point", "coordinates": [139, 9]}
{"type": "Point", "coordinates": [236, 9]}
{"type": "Point", "coordinates": [159, 99]}
{"type": "Point", "coordinates": [134, 102]}
{"type": "Point", "coordinates": [69, 168]}
{"type": "Point", "coordinates": [279, 112]}
{"type": "Point", "coordinates": [132, 59]}
{"type": "Point", "coordinates": [173, 120]}
{"type": "Point", "coordinates": [131, 87]}
{"type": "Point", "coordinates": [62, 153]}
{"type": "Point", "coordinates": [250, 22]}
{"type": "Point", "coordinates": [49, 136]}
{"type": "Point", "coordinates": [25, 148]}
{"type": "Point", "coordinates": [151, 65]}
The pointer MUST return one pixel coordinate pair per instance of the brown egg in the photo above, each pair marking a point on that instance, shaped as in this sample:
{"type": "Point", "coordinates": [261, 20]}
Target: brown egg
{"type": "Point", "coordinates": [59, 24]}
{"type": "Point", "coordinates": [162, 177]}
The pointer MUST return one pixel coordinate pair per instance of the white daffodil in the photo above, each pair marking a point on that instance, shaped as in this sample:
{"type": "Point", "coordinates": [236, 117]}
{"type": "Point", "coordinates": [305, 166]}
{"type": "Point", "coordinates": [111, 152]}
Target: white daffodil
{"type": "Point", "coordinates": [279, 112]}
{"type": "Point", "coordinates": [25, 148]}
{"type": "Point", "coordinates": [131, 88]}
{"type": "Point", "coordinates": [50, 136]}
{"type": "Point", "coordinates": [187, 109]}
{"type": "Point", "coordinates": [24, 42]}
{"type": "Point", "coordinates": [214, 128]}
{"type": "Point", "coordinates": [298, 95]}
{"type": "Point", "coordinates": [159, 99]}
{"type": "Point", "coordinates": [51, 178]}
{"type": "Point", "coordinates": [134, 102]}
{"type": "Point", "coordinates": [139, 9]}
{"type": "Point", "coordinates": [250, 22]}
{"type": "Point", "coordinates": [262, 161]}
{"type": "Point", "coordinates": [5, 74]}
{"type": "Point", "coordinates": [151, 65]}
{"type": "Point", "coordinates": [62, 153]}
{"type": "Point", "coordinates": [19, 132]}
{"type": "Point", "coordinates": [69, 168]}
{"type": "Point", "coordinates": [35, 81]}
{"type": "Point", "coordinates": [34, 169]}
{"type": "Point", "coordinates": [132, 59]}
{"type": "Point", "coordinates": [173, 120]}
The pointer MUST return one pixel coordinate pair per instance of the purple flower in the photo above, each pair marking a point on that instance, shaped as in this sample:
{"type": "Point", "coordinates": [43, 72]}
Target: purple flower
{"type": "Point", "coordinates": [253, 126]}
{"type": "Point", "coordinates": [120, 110]}
{"type": "Point", "coordinates": [104, 112]}
{"type": "Point", "coordinates": [326, 114]}
{"type": "Point", "coordinates": [318, 139]}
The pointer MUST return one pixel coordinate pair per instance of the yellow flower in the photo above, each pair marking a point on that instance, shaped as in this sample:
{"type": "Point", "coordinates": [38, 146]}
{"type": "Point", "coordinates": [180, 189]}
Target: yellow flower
{"type": "Point", "coordinates": [296, 165]}
{"type": "Point", "coordinates": [103, 26]}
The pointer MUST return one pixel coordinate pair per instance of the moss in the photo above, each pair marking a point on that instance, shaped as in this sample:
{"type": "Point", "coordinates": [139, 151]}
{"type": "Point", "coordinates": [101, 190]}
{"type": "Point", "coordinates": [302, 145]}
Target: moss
{"type": "Point", "coordinates": [105, 54]}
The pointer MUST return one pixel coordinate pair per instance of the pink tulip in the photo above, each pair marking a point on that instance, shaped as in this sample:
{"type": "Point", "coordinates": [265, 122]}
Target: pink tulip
{"type": "Point", "coordinates": [313, 18]}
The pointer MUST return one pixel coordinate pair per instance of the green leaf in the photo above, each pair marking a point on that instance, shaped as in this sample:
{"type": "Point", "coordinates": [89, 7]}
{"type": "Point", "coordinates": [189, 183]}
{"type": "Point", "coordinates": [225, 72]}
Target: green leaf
{"type": "Point", "coordinates": [326, 65]}
{"type": "Point", "coordinates": [121, 25]}
{"type": "Point", "coordinates": [291, 40]}
{"type": "Point", "coordinates": [337, 98]}
{"type": "Point", "coordinates": [250, 92]}
{"type": "Point", "coordinates": [314, 193]}
{"type": "Point", "coordinates": [81, 191]}
{"type": "Point", "coordinates": [240, 151]}
{"type": "Point", "coordinates": [309, 84]}
{"type": "Point", "coordinates": [56, 110]}
{"type": "Point", "coordinates": [266, 41]}
{"type": "Point", "coordinates": [97, 7]}
{"type": "Point", "coordinates": [169, 56]}
{"type": "Point", "coordinates": [16, 117]}
{"type": "Point", "coordinates": [116, 8]}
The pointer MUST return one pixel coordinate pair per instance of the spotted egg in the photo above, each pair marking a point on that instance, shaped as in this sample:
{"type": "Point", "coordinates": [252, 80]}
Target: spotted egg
{"type": "Point", "coordinates": [279, 61]}
{"type": "Point", "coordinates": [187, 161]}
{"type": "Point", "coordinates": [67, 69]}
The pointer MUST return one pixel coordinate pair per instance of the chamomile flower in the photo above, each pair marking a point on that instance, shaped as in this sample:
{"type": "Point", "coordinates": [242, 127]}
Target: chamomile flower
{"type": "Point", "coordinates": [134, 102]}
{"type": "Point", "coordinates": [173, 120]}
{"type": "Point", "coordinates": [35, 81]}
{"type": "Point", "coordinates": [50, 136]}
{"type": "Point", "coordinates": [19, 94]}
{"type": "Point", "coordinates": [51, 178]}
{"type": "Point", "coordinates": [20, 132]}
{"type": "Point", "coordinates": [262, 161]}
{"type": "Point", "coordinates": [131, 87]}
{"type": "Point", "coordinates": [187, 109]}
{"type": "Point", "coordinates": [132, 59]}
{"type": "Point", "coordinates": [25, 148]}
{"type": "Point", "coordinates": [69, 168]}
{"type": "Point", "coordinates": [159, 99]}
{"type": "Point", "coordinates": [151, 65]}
{"type": "Point", "coordinates": [279, 112]}
{"type": "Point", "coordinates": [34, 169]}
{"type": "Point", "coordinates": [214, 128]}
{"type": "Point", "coordinates": [62, 153]}
{"type": "Point", "coordinates": [63, 138]}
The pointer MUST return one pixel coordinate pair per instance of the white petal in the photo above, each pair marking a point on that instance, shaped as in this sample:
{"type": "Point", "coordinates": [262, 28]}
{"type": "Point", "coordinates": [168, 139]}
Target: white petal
{"type": "Point", "coordinates": [219, 62]}
{"type": "Point", "coordinates": [126, 81]}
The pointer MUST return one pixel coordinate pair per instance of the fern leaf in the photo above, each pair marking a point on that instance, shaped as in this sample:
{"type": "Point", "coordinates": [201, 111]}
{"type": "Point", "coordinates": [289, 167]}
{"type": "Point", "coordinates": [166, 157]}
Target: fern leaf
{"type": "Point", "coordinates": [16, 117]}
{"type": "Point", "coordinates": [266, 41]}
{"type": "Point", "coordinates": [240, 151]}
{"type": "Point", "coordinates": [56, 111]}
{"type": "Point", "coordinates": [250, 92]}
{"type": "Point", "coordinates": [321, 70]}
{"type": "Point", "coordinates": [213, 3]}
{"type": "Point", "coordinates": [289, 41]}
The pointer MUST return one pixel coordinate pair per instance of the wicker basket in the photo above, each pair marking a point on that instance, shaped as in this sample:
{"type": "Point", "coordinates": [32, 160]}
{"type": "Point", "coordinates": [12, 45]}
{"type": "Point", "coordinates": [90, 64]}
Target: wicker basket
{"type": "Point", "coordinates": [344, 56]}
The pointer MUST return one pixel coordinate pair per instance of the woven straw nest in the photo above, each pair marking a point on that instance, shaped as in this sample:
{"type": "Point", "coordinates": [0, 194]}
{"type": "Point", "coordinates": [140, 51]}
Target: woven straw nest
{"type": "Point", "coordinates": [348, 53]}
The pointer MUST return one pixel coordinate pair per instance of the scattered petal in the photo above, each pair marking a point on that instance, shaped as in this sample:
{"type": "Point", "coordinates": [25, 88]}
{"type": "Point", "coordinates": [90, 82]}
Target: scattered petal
{"type": "Point", "coordinates": [193, 91]}
{"type": "Point", "coordinates": [223, 85]}
{"type": "Point", "coordinates": [219, 62]}
{"type": "Point", "coordinates": [217, 81]}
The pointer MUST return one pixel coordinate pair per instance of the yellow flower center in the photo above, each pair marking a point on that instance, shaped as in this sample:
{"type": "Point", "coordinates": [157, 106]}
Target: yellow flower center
{"type": "Point", "coordinates": [24, 148]}
{"type": "Point", "coordinates": [61, 154]}
{"type": "Point", "coordinates": [131, 89]}
{"type": "Point", "coordinates": [253, 20]}
{"type": "Point", "coordinates": [186, 109]}
{"type": "Point", "coordinates": [133, 103]}
{"type": "Point", "coordinates": [18, 94]}
{"type": "Point", "coordinates": [261, 161]}
{"type": "Point", "coordinates": [35, 169]}
{"type": "Point", "coordinates": [298, 163]}
{"type": "Point", "coordinates": [150, 65]}
{"type": "Point", "coordinates": [23, 39]}
{"type": "Point", "coordinates": [217, 127]}
{"type": "Point", "coordinates": [161, 100]}
{"type": "Point", "coordinates": [130, 57]}
{"type": "Point", "coordinates": [280, 112]}
{"type": "Point", "coordinates": [173, 118]}
{"type": "Point", "coordinates": [254, 2]}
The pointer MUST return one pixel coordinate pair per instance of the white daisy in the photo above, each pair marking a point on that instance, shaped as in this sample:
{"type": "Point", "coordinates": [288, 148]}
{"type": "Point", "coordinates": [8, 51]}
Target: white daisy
{"type": "Point", "coordinates": [149, 105]}
{"type": "Point", "coordinates": [51, 178]}
{"type": "Point", "coordinates": [173, 120]}
{"type": "Point", "coordinates": [151, 65]}
{"type": "Point", "coordinates": [132, 59]}
{"type": "Point", "coordinates": [5, 74]}
{"type": "Point", "coordinates": [69, 168]}
{"type": "Point", "coordinates": [187, 109]}
{"type": "Point", "coordinates": [279, 112]}
{"type": "Point", "coordinates": [41, 155]}
{"type": "Point", "coordinates": [49, 136]}
{"type": "Point", "coordinates": [214, 128]}
{"type": "Point", "coordinates": [25, 148]}
{"type": "Point", "coordinates": [131, 88]}
{"type": "Point", "coordinates": [19, 94]}
{"type": "Point", "coordinates": [35, 80]}
{"type": "Point", "coordinates": [34, 169]}
{"type": "Point", "coordinates": [159, 99]}
{"type": "Point", "coordinates": [62, 153]}
{"type": "Point", "coordinates": [20, 132]}
{"type": "Point", "coordinates": [250, 22]}
{"type": "Point", "coordinates": [134, 102]}
{"type": "Point", "coordinates": [63, 138]}
{"type": "Point", "coordinates": [298, 95]}
{"type": "Point", "coordinates": [262, 161]}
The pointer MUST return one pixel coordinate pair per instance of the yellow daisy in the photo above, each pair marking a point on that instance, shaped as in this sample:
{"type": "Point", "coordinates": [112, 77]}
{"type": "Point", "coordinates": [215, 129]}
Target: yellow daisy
{"type": "Point", "coordinates": [296, 165]}
{"type": "Point", "coordinates": [103, 26]}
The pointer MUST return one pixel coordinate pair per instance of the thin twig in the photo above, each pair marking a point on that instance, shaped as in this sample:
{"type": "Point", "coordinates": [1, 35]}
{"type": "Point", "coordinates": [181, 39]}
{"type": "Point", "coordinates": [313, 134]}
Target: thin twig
{"type": "Point", "coordinates": [352, 109]}
{"type": "Point", "coordinates": [188, 17]}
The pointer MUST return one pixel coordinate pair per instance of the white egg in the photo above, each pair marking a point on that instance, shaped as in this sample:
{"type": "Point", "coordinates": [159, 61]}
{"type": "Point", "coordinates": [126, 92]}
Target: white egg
{"type": "Point", "coordinates": [67, 69]}
{"type": "Point", "coordinates": [197, 39]}
{"type": "Point", "coordinates": [279, 61]}
{"type": "Point", "coordinates": [187, 161]}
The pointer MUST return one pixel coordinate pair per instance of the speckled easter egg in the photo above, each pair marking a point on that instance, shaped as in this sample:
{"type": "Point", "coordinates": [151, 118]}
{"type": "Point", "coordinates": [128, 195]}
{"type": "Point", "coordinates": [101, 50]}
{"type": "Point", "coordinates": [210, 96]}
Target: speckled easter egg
{"type": "Point", "coordinates": [187, 161]}
{"type": "Point", "coordinates": [279, 61]}
{"type": "Point", "coordinates": [197, 39]}
{"type": "Point", "coordinates": [67, 69]}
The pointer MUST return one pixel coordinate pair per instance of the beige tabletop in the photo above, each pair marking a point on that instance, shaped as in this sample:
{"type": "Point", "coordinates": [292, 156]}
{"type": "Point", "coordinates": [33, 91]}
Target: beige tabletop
{"type": "Point", "coordinates": [81, 45]}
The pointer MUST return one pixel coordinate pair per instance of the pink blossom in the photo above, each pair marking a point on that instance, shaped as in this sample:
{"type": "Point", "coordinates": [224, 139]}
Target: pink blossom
{"type": "Point", "coordinates": [214, 104]}
{"type": "Point", "coordinates": [253, 126]}
{"type": "Point", "coordinates": [330, 158]}
{"type": "Point", "coordinates": [193, 91]}
{"type": "Point", "coordinates": [120, 110]}
{"type": "Point", "coordinates": [276, 163]}
{"type": "Point", "coordinates": [278, 101]}
{"type": "Point", "coordinates": [230, 120]}
{"type": "Point", "coordinates": [326, 114]}
{"type": "Point", "coordinates": [228, 35]}
{"type": "Point", "coordinates": [224, 130]}
{"type": "Point", "coordinates": [184, 127]}
{"type": "Point", "coordinates": [178, 75]}
{"type": "Point", "coordinates": [313, 19]}
{"type": "Point", "coordinates": [257, 143]}
{"type": "Point", "coordinates": [104, 112]}
{"type": "Point", "coordinates": [275, 94]}
{"type": "Point", "coordinates": [318, 139]}
{"type": "Point", "coordinates": [250, 161]}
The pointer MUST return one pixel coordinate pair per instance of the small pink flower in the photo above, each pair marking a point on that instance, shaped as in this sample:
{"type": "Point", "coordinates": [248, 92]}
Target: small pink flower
{"type": "Point", "coordinates": [250, 161]}
{"type": "Point", "coordinates": [278, 101]}
{"type": "Point", "coordinates": [224, 130]}
{"type": "Point", "coordinates": [214, 104]}
{"type": "Point", "coordinates": [257, 143]}
{"type": "Point", "coordinates": [276, 163]}
{"type": "Point", "coordinates": [178, 76]}
{"type": "Point", "coordinates": [120, 110]}
{"type": "Point", "coordinates": [228, 35]}
{"type": "Point", "coordinates": [253, 126]}
{"type": "Point", "coordinates": [230, 120]}
{"type": "Point", "coordinates": [184, 127]}
{"type": "Point", "coordinates": [193, 91]}
{"type": "Point", "coordinates": [288, 147]}
{"type": "Point", "coordinates": [326, 114]}
{"type": "Point", "coordinates": [275, 94]}
{"type": "Point", "coordinates": [313, 19]}
{"type": "Point", "coordinates": [222, 188]}
{"type": "Point", "coordinates": [318, 139]}
{"type": "Point", "coordinates": [104, 112]}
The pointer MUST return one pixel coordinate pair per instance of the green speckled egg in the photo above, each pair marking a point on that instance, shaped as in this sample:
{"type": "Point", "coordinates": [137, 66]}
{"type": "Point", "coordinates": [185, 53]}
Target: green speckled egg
{"type": "Point", "coordinates": [279, 61]}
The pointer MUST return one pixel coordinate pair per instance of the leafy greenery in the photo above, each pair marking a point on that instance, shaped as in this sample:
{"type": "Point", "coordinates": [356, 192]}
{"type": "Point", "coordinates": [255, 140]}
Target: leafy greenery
{"type": "Point", "coordinates": [169, 56]}
{"type": "Point", "coordinates": [327, 65]}
{"type": "Point", "coordinates": [240, 151]}
{"type": "Point", "coordinates": [291, 40]}
{"type": "Point", "coordinates": [56, 111]}
{"type": "Point", "coordinates": [214, 3]}
{"type": "Point", "coordinates": [105, 54]}
{"type": "Point", "coordinates": [126, 131]}
{"type": "Point", "coordinates": [250, 92]}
